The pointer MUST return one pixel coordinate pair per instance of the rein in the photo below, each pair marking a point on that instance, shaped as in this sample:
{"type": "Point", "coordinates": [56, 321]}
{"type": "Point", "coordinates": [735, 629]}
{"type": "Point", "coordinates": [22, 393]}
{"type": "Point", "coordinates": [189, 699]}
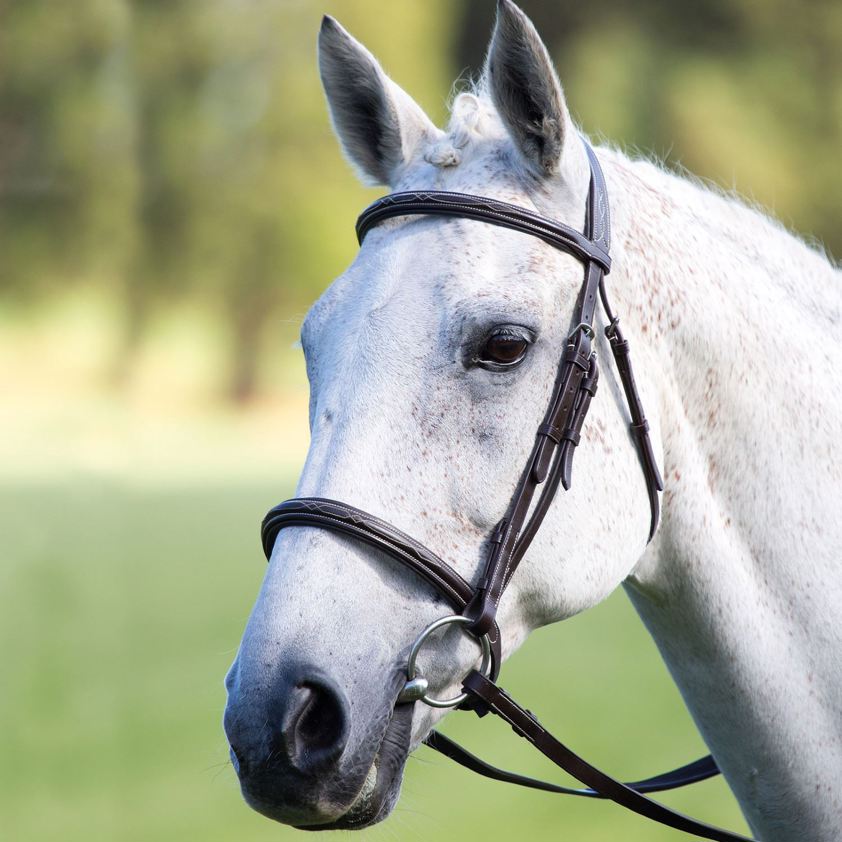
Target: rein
{"type": "Point", "coordinates": [549, 465]}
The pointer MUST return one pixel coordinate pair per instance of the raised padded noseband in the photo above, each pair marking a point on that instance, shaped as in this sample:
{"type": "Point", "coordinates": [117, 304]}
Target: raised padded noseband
{"type": "Point", "coordinates": [348, 520]}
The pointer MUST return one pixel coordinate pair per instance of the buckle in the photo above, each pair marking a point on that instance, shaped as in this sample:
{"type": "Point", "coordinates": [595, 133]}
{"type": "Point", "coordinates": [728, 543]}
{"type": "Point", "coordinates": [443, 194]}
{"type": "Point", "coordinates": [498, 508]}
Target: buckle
{"type": "Point", "coordinates": [611, 329]}
{"type": "Point", "coordinates": [585, 328]}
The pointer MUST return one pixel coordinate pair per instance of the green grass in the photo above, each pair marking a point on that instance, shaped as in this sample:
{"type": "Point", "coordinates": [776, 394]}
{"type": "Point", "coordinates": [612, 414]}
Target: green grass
{"type": "Point", "coordinates": [121, 609]}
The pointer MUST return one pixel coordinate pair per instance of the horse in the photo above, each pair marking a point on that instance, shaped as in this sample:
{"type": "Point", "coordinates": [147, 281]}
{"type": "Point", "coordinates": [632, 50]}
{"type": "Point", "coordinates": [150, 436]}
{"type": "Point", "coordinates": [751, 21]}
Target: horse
{"type": "Point", "coordinates": [430, 362]}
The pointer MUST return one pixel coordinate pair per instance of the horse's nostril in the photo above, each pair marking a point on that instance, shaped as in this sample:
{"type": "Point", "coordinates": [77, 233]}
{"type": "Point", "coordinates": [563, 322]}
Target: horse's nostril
{"type": "Point", "coordinates": [315, 725]}
{"type": "Point", "coordinates": [236, 762]}
{"type": "Point", "coordinates": [316, 717]}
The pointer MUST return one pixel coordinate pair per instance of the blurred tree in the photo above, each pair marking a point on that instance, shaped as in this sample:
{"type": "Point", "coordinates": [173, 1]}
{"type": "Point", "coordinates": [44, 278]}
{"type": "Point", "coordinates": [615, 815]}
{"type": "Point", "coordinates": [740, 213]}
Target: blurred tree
{"type": "Point", "coordinates": [279, 195]}
{"type": "Point", "coordinates": [178, 150]}
{"type": "Point", "coordinates": [67, 184]}
{"type": "Point", "coordinates": [168, 57]}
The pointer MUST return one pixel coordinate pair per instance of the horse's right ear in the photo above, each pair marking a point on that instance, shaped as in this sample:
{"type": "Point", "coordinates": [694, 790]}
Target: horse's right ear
{"type": "Point", "coordinates": [380, 127]}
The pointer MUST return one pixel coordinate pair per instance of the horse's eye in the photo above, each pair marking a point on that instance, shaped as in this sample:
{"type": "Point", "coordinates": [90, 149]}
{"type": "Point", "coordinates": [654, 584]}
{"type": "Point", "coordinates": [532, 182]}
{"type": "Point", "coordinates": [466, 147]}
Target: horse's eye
{"type": "Point", "coordinates": [504, 348]}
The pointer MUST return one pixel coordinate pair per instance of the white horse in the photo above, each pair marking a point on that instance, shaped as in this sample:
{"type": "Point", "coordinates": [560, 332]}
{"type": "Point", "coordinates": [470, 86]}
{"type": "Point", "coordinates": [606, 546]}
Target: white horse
{"type": "Point", "coordinates": [737, 333]}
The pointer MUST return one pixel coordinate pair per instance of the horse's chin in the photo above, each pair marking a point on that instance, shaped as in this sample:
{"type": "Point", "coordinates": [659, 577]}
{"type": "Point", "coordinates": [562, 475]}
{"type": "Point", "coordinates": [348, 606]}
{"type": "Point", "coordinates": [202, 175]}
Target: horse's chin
{"type": "Point", "coordinates": [382, 785]}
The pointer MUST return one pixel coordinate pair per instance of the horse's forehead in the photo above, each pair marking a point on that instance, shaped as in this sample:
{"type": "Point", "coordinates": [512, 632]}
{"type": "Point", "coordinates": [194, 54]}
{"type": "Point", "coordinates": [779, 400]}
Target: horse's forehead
{"type": "Point", "coordinates": [425, 268]}
{"type": "Point", "coordinates": [485, 170]}
{"type": "Point", "coordinates": [429, 267]}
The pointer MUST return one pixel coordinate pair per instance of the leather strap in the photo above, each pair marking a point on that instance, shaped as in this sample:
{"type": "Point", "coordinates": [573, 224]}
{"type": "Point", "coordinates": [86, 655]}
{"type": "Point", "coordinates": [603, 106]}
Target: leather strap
{"type": "Point", "coordinates": [639, 426]}
{"type": "Point", "coordinates": [495, 700]}
{"type": "Point", "coordinates": [339, 517]}
{"type": "Point", "coordinates": [559, 432]}
{"type": "Point", "coordinates": [466, 206]}
{"type": "Point", "coordinates": [691, 773]}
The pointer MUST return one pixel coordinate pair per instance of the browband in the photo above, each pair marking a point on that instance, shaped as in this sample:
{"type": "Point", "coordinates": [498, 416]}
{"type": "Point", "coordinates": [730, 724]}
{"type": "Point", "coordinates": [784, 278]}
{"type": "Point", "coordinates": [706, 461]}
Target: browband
{"type": "Point", "coordinates": [466, 206]}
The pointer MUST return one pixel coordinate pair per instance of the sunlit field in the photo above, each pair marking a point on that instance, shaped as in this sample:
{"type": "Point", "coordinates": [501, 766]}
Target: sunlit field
{"type": "Point", "coordinates": [130, 562]}
{"type": "Point", "coordinates": [122, 608]}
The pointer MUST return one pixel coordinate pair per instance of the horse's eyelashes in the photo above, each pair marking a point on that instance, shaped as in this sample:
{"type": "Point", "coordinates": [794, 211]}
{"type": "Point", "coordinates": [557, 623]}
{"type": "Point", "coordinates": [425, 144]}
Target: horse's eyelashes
{"type": "Point", "coordinates": [503, 348]}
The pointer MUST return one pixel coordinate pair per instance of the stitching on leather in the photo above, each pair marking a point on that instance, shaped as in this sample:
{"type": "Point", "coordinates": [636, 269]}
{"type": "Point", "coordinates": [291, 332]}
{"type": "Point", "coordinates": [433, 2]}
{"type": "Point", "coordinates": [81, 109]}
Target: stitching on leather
{"type": "Point", "coordinates": [503, 579]}
{"type": "Point", "coordinates": [444, 583]}
{"type": "Point", "coordinates": [512, 216]}
{"type": "Point", "coordinates": [430, 563]}
{"type": "Point", "coordinates": [392, 534]}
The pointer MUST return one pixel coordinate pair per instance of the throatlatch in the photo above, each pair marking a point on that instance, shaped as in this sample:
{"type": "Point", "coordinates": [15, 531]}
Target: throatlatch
{"type": "Point", "coordinates": [549, 465]}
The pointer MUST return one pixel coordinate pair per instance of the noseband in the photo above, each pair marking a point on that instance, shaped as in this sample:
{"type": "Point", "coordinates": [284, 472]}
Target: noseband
{"type": "Point", "coordinates": [549, 465]}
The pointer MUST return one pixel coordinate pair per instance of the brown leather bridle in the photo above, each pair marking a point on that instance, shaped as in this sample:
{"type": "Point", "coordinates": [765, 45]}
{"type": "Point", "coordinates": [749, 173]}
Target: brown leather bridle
{"type": "Point", "coordinates": [549, 465]}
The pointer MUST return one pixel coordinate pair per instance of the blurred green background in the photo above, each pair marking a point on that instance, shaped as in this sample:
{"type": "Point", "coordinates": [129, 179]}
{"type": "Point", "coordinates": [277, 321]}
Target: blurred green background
{"type": "Point", "coordinates": [171, 201]}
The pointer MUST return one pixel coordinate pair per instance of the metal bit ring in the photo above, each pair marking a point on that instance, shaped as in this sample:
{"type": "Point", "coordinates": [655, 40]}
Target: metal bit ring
{"type": "Point", "coordinates": [416, 686]}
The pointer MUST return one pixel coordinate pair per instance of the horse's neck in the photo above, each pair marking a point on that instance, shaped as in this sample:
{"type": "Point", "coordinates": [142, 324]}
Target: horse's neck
{"type": "Point", "coordinates": [741, 588]}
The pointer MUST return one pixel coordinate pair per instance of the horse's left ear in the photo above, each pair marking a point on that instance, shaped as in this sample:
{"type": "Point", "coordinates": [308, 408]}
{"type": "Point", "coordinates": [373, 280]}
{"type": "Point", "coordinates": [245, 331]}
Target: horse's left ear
{"type": "Point", "coordinates": [526, 91]}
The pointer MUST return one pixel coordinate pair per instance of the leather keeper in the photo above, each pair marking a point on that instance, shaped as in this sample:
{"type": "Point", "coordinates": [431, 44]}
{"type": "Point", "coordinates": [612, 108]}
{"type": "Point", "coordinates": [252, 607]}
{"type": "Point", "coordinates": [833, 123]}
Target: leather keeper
{"type": "Point", "coordinates": [587, 390]}
{"type": "Point", "coordinates": [578, 357]}
{"type": "Point", "coordinates": [499, 532]}
{"type": "Point", "coordinates": [620, 348]}
{"type": "Point", "coordinates": [590, 383]}
{"type": "Point", "coordinates": [571, 435]}
{"type": "Point", "coordinates": [480, 611]}
{"type": "Point", "coordinates": [551, 432]}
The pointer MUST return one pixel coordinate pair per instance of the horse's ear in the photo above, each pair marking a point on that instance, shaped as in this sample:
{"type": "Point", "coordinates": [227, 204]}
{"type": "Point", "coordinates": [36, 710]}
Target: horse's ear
{"type": "Point", "coordinates": [526, 91]}
{"type": "Point", "coordinates": [379, 126]}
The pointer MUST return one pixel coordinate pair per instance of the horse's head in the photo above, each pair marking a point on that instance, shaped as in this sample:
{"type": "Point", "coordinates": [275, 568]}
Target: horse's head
{"type": "Point", "coordinates": [431, 361]}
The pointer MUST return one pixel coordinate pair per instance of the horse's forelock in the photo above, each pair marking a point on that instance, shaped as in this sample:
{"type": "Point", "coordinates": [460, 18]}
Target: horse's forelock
{"type": "Point", "coordinates": [472, 117]}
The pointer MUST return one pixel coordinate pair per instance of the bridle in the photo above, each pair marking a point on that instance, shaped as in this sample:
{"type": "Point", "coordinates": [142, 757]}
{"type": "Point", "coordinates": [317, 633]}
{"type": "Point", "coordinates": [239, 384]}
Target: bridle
{"type": "Point", "coordinates": [549, 465]}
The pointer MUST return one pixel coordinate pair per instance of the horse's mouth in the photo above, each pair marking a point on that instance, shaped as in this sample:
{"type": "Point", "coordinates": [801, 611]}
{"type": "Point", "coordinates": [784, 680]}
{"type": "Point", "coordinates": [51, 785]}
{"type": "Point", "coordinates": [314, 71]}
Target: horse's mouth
{"type": "Point", "coordinates": [381, 787]}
